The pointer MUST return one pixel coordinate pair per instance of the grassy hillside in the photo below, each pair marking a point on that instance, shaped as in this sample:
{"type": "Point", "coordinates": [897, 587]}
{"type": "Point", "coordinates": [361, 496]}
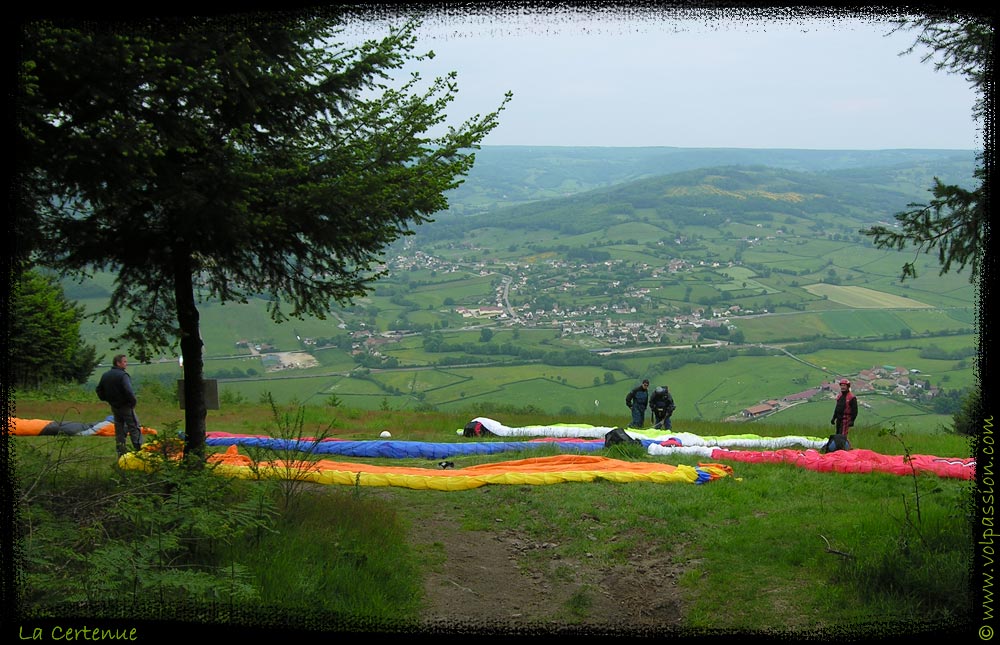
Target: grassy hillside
{"type": "Point", "coordinates": [505, 175]}
{"type": "Point", "coordinates": [772, 548]}
{"type": "Point", "coordinates": [698, 279]}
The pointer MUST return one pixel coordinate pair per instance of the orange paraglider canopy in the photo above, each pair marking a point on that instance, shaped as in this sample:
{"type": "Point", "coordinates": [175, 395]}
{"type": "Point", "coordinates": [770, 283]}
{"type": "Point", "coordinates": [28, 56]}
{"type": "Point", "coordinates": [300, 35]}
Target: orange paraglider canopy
{"type": "Point", "coordinates": [48, 427]}
{"type": "Point", "coordinates": [534, 471]}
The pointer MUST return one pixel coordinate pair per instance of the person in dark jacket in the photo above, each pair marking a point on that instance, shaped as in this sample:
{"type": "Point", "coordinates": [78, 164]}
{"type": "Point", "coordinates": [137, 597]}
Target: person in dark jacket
{"type": "Point", "coordinates": [845, 412]}
{"type": "Point", "coordinates": [662, 405]}
{"type": "Point", "coordinates": [637, 399]}
{"type": "Point", "coordinates": [115, 388]}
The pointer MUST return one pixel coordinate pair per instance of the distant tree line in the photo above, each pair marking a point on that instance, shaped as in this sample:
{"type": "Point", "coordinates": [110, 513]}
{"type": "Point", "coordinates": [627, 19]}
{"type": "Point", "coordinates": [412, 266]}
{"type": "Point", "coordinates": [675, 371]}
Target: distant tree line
{"type": "Point", "coordinates": [930, 352]}
{"type": "Point", "coordinates": [935, 352]}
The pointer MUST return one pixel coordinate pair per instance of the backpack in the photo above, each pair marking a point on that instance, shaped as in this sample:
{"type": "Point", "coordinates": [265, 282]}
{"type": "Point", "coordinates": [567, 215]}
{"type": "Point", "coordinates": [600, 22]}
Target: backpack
{"type": "Point", "coordinates": [617, 435]}
{"type": "Point", "coordinates": [100, 392]}
{"type": "Point", "coordinates": [836, 442]}
{"type": "Point", "coordinates": [475, 429]}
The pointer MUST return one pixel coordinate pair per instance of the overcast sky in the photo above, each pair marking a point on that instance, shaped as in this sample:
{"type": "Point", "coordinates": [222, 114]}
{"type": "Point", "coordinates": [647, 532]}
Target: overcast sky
{"type": "Point", "coordinates": [749, 80]}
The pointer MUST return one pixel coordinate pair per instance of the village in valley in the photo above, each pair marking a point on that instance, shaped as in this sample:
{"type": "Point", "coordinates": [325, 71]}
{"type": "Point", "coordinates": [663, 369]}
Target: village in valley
{"type": "Point", "coordinates": [678, 296]}
{"type": "Point", "coordinates": [622, 324]}
{"type": "Point", "coordinates": [887, 379]}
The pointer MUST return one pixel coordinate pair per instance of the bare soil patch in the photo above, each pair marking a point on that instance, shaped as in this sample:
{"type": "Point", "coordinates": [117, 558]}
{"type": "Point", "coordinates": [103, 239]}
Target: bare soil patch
{"type": "Point", "coordinates": [294, 360]}
{"type": "Point", "coordinates": [503, 581]}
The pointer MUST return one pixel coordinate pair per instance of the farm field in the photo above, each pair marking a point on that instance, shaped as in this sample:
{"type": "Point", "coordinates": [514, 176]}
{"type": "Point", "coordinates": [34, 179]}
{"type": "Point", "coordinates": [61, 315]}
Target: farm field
{"type": "Point", "coordinates": [862, 297]}
{"type": "Point", "coordinates": [579, 393]}
{"type": "Point", "coordinates": [601, 289]}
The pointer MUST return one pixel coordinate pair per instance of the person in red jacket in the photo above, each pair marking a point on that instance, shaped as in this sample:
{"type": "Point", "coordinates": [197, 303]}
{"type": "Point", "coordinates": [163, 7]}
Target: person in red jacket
{"type": "Point", "coordinates": [846, 410]}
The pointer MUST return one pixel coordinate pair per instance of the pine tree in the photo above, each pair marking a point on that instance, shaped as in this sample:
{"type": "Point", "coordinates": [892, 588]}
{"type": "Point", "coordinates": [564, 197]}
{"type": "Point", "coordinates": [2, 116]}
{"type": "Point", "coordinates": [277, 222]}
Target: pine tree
{"type": "Point", "coordinates": [224, 159]}
{"type": "Point", "coordinates": [45, 345]}
{"type": "Point", "coordinates": [956, 221]}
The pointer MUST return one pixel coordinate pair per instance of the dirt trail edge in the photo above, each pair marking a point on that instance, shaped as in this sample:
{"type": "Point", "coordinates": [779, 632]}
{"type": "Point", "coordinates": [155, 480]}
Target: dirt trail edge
{"type": "Point", "coordinates": [502, 581]}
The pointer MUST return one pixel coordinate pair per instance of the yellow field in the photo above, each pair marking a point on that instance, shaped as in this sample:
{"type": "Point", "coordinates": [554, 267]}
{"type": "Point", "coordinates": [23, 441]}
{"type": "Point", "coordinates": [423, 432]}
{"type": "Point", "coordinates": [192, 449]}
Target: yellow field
{"type": "Point", "coordinates": [862, 297]}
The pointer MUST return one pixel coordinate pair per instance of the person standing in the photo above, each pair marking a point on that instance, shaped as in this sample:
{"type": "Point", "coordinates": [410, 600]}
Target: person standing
{"type": "Point", "coordinates": [637, 399]}
{"type": "Point", "coordinates": [115, 388]}
{"type": "Point", "coordinates": [662, 405]}
{"type": "Point", "coordinates": [845, 411]}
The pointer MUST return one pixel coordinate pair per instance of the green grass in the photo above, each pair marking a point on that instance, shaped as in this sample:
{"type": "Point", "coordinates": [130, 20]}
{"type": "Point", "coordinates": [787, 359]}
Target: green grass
{"type": "Point", "coordinates": [338, 553]}
{"type": "Point", "coordinates": [754, 549]}
{"type": "Point", "coordinates": [883, 412]}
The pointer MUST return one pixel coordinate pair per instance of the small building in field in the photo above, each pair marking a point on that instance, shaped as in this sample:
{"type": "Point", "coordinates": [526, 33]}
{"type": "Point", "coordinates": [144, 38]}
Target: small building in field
{"type": "Point", "coordinates": [755, 411]}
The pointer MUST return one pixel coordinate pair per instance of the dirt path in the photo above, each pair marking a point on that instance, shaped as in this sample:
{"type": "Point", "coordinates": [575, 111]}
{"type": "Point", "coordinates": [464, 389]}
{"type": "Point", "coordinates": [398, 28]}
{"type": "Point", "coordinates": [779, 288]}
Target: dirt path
{"type": "Point", "coordinates": [502, 581]}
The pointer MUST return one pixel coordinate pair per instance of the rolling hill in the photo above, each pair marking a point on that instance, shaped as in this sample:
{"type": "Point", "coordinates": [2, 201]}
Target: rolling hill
{"type": "Point", "coordinates": [509, 175]}
{"type": "Point", "coordinates": [661, 265]}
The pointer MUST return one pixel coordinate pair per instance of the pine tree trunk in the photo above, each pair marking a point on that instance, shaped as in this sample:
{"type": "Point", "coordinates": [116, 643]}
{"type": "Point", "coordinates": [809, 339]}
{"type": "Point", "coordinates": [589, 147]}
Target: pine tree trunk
{"type": "Point", "coordinates": [195, 410]}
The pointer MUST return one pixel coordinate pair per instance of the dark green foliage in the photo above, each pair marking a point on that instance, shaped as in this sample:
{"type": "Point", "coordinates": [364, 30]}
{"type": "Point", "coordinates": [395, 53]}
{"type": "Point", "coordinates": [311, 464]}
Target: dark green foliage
{"type": "Point", "coordinates": [960, 42]}
{"type": "Point", "coordinates": [44, 343]}
{"type": "Point", "coordinates": [935, 352]}
{"type": "Point", "coordinates": [91, 533]}
{"type": "Point", "coordinates": [589, 256]}
{"type": "Point", "coordinates": [956, 221]}
{"type": "Point", "coordinates": [968, 418]}
{"type": "Point", "coordinates": [215, 159]}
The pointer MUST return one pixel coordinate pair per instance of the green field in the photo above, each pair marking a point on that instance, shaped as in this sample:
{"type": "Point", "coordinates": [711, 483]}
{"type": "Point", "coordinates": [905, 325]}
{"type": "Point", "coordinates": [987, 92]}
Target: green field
{"type": "Point", "coordinates": [584, 393]}
{"type": "Point", "coordinates": [628, 267]}
{"type": "Point", "coordinates": [711, 391]}
{"type": "Point", "coordinates": [865, 324]}
{"type": "Point", "coordinates": [878, 413]}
